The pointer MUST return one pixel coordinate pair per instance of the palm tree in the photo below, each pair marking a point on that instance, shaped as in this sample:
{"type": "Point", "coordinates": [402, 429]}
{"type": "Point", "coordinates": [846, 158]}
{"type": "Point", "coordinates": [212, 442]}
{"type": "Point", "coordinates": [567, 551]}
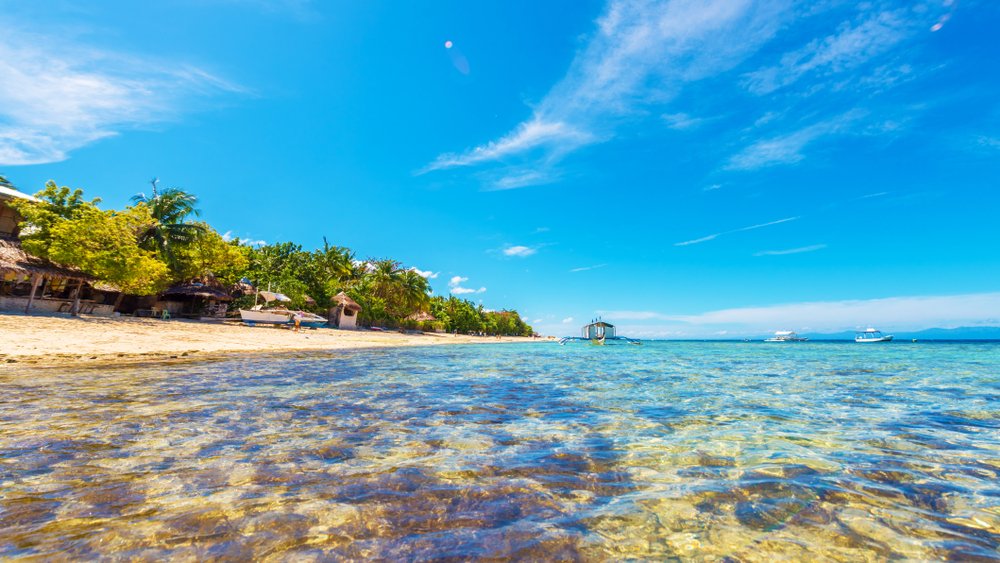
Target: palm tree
{"type": "Point", "coordinates": [383, 277]}
{"type": "Point", "coordinates": [170, 209]}
{"type": "Point", "coordinates": [413, 291]}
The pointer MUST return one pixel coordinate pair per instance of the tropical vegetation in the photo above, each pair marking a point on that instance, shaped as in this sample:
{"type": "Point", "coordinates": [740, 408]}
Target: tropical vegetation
{"type": "Point", "coordinates": [157, 242]}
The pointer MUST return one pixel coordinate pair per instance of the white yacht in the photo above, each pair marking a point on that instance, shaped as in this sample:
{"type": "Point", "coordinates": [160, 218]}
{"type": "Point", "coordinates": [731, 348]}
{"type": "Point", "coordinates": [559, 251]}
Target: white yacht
{"type": "Point", "coordinates": [872, 335]}
{"type": "Point", "coordinates": [785, 336]}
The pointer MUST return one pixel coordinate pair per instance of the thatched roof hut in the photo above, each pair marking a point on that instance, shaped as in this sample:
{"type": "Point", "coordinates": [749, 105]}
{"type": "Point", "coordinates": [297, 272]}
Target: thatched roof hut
{"type": "Point", "coordinates": [196, 290]}
{"type": "Point", "coordinates": [346, 302]}
{"type": "Point", "coordinates": [14, 259]}
{"type": "Point", "coordinates": [421, 316]}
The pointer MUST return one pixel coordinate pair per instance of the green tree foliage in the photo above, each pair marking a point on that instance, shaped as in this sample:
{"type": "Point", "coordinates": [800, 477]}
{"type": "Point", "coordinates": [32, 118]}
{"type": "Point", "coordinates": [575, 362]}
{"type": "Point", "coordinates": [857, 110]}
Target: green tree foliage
{"type": "Point", "coordinates": [466, 317]}
{"type": "Point", "coordinates": [208, 254]}
{"type": "Point", "coordinates": [64, 228]}
{"type": "Point", "coordinates": [170, 229]}
{"type": "Point", "coordinates": [153, 243]}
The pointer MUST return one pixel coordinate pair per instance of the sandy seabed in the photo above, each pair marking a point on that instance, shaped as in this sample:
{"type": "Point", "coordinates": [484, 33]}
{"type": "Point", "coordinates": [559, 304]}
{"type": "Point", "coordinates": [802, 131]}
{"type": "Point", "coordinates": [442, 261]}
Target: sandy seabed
{"type": "Point", "coordinates": [54, 341]}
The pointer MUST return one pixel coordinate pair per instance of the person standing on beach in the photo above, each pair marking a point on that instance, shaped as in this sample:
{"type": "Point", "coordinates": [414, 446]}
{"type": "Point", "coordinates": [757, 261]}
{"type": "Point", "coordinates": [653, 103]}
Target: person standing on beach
{"type": "Point", "coordinates": [298, 320]}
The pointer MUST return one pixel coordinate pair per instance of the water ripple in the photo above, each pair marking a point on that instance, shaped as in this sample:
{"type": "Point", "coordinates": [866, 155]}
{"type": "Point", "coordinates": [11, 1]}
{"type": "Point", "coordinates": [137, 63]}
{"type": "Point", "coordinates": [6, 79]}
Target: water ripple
{"type": "Point", "coordinates": [693, 451]}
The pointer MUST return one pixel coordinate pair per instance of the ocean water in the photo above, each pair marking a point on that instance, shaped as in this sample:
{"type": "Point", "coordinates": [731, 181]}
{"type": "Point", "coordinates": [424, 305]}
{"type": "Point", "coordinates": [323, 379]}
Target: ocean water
{"type": "Point", "coordinates": [667, 451]}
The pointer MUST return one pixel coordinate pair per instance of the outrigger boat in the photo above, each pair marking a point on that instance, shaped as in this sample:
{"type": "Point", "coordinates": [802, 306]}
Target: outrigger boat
{"type": "Point", "coordinates": [872, 335]}
{"type": "Point", "coordinates": [786, 336]}
{"type": "Point", "coordinates": [279, 315]}
{"type": "Point", "coordinates": [598, 333]}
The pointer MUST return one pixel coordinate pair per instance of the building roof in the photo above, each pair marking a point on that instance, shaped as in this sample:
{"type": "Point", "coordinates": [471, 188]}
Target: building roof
{"type": "Point", "coordinates": [7, 192]}
{"type": "Point", "coordinates": [421, 316]}
{"type": "Point", "coordinates": [197, 290]}
{"type": "Point", "coordinates": [14, 259]}
{"type": "Point", "coordinates": [345, 301]}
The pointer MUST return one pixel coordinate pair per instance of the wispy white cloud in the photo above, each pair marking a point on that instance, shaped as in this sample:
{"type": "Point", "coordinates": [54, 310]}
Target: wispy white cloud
{"type": "Point", "coordinates": [890, 314]}
{"type": "Point", "coordinates": [425, 273]}
{"type": "Point", "coordinates": [511, 180]}
{"type": "Point", "coordinates": [464, 290]}
{"type": "Point", "coordinates": [988, 142]}
{"type": "Point", "coordinates": [799, 250]}
{"type": "Point", "coordinates": [899, 313]}
{"type": "Point", "coordinates": [586, 268]}
{"type": "Point", "coordinates": [59, 94]}
{"type": "Point", "coordinates": [788, 148]}
{"type": "Point", "coordinates": [567, 320]}
{"type": "Point", "coordinates": [643, 52]}
{"type": "Point", "coordinates": [682, 121]}
{"type": "Point", "coordinates": [455, 286]}
{"type": "Point", "coordinates": [699, 240]}
{"type": "Point", "coordinates": [712, 187]}
{"type": "Point", "coordinates": [228, 236]}
{"type": "Point", "coordinates": [739, 230]}
{"type": "Point", "coordinates": [852, 45]}
{"type": "Point", "coordinates": [529, 135]}
{"type": "Point", "coordinates": [519, 251]}
{"type": "Point", "coordinates": [632, 315]}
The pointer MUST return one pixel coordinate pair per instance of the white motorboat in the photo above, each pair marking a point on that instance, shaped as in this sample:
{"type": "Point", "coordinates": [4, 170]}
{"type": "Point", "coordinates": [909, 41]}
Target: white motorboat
{"type": "Point", "coordinates": [872, 335]}
{"type": "Point", "coordinates": [785, 336]}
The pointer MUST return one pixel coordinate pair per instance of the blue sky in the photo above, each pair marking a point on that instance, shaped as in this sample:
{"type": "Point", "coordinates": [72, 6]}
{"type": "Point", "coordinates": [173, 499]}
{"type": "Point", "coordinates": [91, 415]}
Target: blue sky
{"type": "Point", "coordinates": [686, 168]}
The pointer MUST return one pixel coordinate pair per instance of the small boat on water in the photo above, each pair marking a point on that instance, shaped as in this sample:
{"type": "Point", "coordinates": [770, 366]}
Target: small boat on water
{"type": "Point", "coordinates": [872, 335]}
{"type": "Point", "coordinates": [785, 336]}
{"type": "Point", "coordinates": [598, 333]}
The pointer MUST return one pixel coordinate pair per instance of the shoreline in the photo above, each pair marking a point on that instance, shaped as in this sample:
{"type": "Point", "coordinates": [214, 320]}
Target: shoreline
{"type": "Point", "coordinates": [44, 341]}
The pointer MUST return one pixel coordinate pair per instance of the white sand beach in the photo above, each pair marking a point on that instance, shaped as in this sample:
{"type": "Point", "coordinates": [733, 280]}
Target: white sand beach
{"type": "Point", "coordinates": [55, 341]}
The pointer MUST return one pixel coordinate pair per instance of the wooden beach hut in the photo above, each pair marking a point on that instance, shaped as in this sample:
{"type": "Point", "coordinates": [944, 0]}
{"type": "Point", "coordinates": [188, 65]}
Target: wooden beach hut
{"type": "Point", "coordinates": [345, 313]}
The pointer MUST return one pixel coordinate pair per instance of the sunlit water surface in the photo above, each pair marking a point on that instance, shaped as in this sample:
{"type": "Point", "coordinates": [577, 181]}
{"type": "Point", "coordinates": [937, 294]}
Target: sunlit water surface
{"type": "Point", "coordinates": [693, 451]}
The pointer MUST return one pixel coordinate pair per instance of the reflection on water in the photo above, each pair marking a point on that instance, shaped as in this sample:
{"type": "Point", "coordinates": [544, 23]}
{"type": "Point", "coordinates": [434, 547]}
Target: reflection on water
{"type": "Point", "coordinates": [697, 451]}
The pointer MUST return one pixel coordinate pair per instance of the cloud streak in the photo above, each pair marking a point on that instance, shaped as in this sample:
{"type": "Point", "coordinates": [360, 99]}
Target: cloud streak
{"type": "Point", "coordinates": [739, 230]}
{"type": "Point", "coordinates": [587, 268]}
{"type": "Point", "coordinates": [799, 250]}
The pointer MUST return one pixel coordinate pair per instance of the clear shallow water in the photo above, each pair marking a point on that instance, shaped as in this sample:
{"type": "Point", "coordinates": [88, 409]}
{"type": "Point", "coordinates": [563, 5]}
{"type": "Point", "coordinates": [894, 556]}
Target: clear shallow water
{"type": "Point", "coordinates": [694, 451]}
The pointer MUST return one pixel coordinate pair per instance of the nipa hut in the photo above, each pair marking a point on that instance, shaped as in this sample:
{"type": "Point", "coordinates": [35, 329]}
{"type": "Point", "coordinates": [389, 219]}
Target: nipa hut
{"type": "Point", "coordinates": [29, 283]}
{"type": "Point", "coordinates": [345, 313]}
{"type": "Point", "coordinates": [195, 300]}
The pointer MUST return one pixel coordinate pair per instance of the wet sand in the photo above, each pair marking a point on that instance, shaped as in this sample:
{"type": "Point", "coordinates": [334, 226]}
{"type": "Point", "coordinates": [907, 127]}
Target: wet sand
{"type": "Point", "coordinates": [52, 341]}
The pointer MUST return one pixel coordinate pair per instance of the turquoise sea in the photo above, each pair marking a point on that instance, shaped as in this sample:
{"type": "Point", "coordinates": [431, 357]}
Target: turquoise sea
{"type": "Point", "coordinates": [698, 451]}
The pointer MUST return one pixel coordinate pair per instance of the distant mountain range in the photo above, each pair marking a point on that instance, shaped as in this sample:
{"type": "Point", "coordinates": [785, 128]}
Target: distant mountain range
{"type": "Point", "coordinates": [960, 333]}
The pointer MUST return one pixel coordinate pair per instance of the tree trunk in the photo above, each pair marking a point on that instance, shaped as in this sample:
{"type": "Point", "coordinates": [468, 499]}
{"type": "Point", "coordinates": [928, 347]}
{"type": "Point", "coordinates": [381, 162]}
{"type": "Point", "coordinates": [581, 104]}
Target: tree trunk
{"type": "Point", "coordinates": [74, 311]}
{"type": "Point", "coordinates": [118, 301]}
{"type": "Point", "coordinates": [35, 279]}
